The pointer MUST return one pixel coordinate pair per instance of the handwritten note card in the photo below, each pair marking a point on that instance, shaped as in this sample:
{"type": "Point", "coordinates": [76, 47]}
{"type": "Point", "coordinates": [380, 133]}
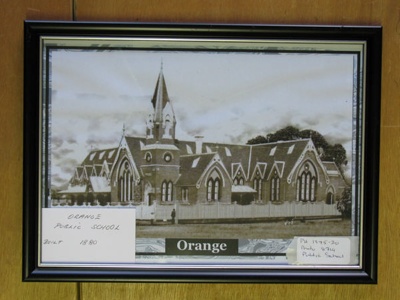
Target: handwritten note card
{"type": "Point", "coordinates": [323, 250]}
{"type": "Point", "coordinates": [88, 235]}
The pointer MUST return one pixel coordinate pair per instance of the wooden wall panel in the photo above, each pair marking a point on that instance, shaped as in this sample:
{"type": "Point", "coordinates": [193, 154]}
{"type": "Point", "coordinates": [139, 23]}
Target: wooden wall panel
{"type": "Point", "coordinates": [345, 12]}
{"type": "Point", "coordinates": [234, 11]}
{"type": "Point", "coordinates": [391, 64]}
{"type": "Point", "coordinates": [12, 15]}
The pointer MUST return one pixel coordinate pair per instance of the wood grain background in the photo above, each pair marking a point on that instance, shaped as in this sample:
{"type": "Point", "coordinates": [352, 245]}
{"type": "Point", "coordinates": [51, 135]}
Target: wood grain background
{"type": "Point", "coordinates": [327, 12]}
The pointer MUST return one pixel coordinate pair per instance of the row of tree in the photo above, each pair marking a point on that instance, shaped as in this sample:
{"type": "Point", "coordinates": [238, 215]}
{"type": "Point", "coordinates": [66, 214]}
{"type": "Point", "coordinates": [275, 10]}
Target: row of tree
{"type": "Point", "coordinates": [328, 152]}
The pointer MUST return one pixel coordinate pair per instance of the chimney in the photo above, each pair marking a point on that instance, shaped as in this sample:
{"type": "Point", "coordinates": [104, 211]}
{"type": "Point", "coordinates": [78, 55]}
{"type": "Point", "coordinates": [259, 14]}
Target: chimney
{"type": "Point", "coordinates": [199, 143]}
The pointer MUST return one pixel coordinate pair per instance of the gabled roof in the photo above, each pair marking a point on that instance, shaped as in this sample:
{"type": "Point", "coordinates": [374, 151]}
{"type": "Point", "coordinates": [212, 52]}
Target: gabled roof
{"type": "Point", "coordinates": [136, 144]}
{"type": "Point", "coordinates": [284, 151]}
{"type": "Point", "coordinates": [100, 184]}
{"type": "Point", "coordinates": [192, 167]}
{"type": "Point", "coordinates": [259, 168]}
{"type": "Point", "coordinates": [78, 172]}
{"type": "Point", "coordinates": [236, 169]}
{"type": "Point", "coordinates": [279, 167]}
{"type": "Point", "coordinates": [96, 157]}
{"type": "Point", "coordinates": [74, 189]}
{"type": "Point", "coordinates": [263, 157]}
{"type": "Point", "coordinates": [88, 171]}
{"type": "Point", "coordinates": [96, 169]}
{"type": "Point", "coordinates": [331, 168]}
{"type": "Point", "coordinates": [249, 157]}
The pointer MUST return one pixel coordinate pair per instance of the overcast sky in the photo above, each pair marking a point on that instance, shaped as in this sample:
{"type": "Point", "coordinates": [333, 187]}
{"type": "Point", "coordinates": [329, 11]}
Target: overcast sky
{"type": "Point", "coordinates": [225, 97]}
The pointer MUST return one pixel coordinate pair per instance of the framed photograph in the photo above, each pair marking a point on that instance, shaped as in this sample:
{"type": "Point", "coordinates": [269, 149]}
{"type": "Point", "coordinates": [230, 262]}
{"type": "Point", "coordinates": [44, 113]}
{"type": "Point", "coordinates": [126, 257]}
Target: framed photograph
{"type": "Point", "coordinates": [201, 152]}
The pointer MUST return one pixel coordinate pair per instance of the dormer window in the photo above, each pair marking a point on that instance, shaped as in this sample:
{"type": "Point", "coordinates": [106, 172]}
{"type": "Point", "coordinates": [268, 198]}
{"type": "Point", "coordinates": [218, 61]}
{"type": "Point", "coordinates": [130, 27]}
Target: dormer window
{"type": "Point", "coordinates": [272, 152]}
{"type": "Point", "coordinates": [290, 150]}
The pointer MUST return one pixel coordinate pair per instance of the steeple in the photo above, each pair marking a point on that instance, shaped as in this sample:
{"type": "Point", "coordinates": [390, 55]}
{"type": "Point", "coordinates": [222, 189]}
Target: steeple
{"type": "Point", "coordinates": [161, 124]}
{"type": "Point", "coordinates": [122, 140]}
{"type": "Point", "coordinates": [160, 97]}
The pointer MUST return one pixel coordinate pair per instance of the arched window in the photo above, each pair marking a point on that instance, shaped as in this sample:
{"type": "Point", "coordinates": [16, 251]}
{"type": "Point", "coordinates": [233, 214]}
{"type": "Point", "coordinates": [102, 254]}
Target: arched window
{"type": "Point", "coordinates": [216, 189]}
{"type": "Point", "coordinates": [238, 180]}
{"type": "Point", "coordinates": [167, 127]}
{"type": "Point", "coordinates": [330, 196]}
{"type": "Point", "coordinates": [214, 185]}
{"type": "Point", "coordinates": [213, 189]}
{"type": "Point", "coordinates": [126, 183]}
{"type": "Point", "coordinates": [306, 183]}
{"type": "Point", "coordinates": [257, 184]}
{"type": "Point", "coordinates": [275, 188]}
{"type": "Point", "coordinates": [166, 191]}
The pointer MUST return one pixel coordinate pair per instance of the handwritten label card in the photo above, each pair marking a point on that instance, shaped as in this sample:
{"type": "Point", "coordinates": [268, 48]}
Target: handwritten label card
{"type": "Point", "coordinates": [88, 235]}
{"type": "Point", "coordinates": [323, 250]}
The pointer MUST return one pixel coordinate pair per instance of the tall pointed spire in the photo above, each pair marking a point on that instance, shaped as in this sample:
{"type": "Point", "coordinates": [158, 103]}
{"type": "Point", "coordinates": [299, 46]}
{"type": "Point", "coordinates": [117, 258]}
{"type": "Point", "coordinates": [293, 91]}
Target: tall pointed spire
{"type": "Point", "coordinates": [123, 134]}
{"type": "Point", "coordinates": [163, 120]}
{"type": "Point", "coordinates": [160, 97]}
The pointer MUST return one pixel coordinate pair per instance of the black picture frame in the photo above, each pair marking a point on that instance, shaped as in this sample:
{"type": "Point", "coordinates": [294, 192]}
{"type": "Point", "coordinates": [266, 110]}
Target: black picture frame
{"type": "Point", "coordinates": [40, 36]}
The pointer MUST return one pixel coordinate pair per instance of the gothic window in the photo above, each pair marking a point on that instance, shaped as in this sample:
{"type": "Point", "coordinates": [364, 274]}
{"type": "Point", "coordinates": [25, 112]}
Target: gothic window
{"type": "Point", "coordinates": [306, 184]}
{"type": "Point", "coordinates": [275, 187]}
{"type": "Point", "coordinates": [216, 189]}
{"type": "Point", "coordinates": [126, 183]}
{"type": "Point", "coordinates": [330, 196]}
{"type": "Point", "coordinates": [213, 189]}
{"type": "Point", "coordinates": [210, 186]}
{"type": "Point", "coordinates": [167, 132]}
{"type": "Point", "coordinates": [239, 180]}
{"type": "Point", "coordinates": [166, 191]}
{"type": "Point", "coordinates": [150, 126]}
{"type": "Point", "coordinates": [257, 184]}
{"type": "Point", "coordinates": [214, 186]}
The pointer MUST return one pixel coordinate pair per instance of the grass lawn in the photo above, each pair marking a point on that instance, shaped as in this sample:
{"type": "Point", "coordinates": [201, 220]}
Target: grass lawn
{"type": "Point", "coordinates": [265, 230]}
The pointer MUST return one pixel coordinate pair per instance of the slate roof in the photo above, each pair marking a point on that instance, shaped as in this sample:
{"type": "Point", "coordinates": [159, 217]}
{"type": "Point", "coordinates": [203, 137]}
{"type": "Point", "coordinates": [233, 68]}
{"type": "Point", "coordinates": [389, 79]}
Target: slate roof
{"type": "Point", "coordinates": [248, 156]}
{"type": "Point", "coordinates": [278, 152]}
{"type": "Point", "coordinates": [192, 167]}
{"type": "Point", "coordinates": [283, 155]}
{"type": "Point", "coordinates": [100, 184]}
{"type": "Point", "coordinates": [74, 189]}
{"type": "Point", "coordinates": [96, 157]}
{"type": "Point", "coordinates": [135, 144]}
{"type": "Point", "coordinates": [331, 168]}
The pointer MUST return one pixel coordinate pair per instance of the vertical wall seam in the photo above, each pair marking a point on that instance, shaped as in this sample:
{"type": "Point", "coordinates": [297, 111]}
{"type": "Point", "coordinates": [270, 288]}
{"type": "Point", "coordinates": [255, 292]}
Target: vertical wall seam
{"type": "Point", "coordinates": [79, 290]}
{"type": "Point", "coordinates": [74, 10]}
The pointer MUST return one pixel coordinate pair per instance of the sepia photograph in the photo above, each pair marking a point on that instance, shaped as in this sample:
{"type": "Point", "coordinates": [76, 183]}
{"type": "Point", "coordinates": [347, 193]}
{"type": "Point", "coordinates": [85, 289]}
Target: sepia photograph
{"type": "Point", "coordinates": [180, 153]}
{"type": "Point", "coordinates": [206, 144]}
